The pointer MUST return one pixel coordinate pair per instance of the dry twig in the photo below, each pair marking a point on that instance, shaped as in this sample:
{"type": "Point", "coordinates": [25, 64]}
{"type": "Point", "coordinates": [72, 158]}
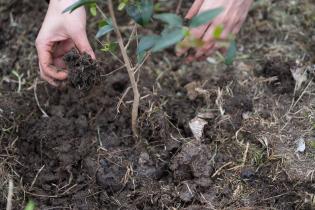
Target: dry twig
{"type": "Point", "coordinates": [134, 85]}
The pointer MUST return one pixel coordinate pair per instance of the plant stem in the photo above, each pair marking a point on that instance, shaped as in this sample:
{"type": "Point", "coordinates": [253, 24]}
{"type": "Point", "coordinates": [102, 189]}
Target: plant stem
{"type": "Point", "coordinates": [134, 85]}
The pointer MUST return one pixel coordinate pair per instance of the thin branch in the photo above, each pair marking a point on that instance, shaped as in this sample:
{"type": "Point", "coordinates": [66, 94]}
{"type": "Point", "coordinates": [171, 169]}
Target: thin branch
{"type": "Point", "coordinates": [101, 11]}
{"type": "Point", "coordinates": [179, 5]}
{"type": "Point", "coordinates": [121, 100]}
{"type": "Point", "coordinates": [10, 195]}
{"type": "Point", "coordinates": [134, 29]}
{"type": "Point", "coordinates": [134, 85]}
{"type": "Point", "coordinates": [37, 101]}
{"type": "Point", "coordinates": [114, 71]}
{"type": "Point", "coordinates": [36, 176]}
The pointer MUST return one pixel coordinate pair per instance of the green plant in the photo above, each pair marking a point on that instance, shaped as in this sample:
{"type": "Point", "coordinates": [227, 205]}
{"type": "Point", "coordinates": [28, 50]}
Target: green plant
{"type": "Point", "coordinates": [175, 32]}
{"type": "Point", "coordinates": [30, 205]}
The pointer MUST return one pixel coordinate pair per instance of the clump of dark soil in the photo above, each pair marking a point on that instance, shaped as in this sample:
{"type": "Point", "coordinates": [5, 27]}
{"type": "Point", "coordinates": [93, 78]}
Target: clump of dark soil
{"type": "Point", "coordinates": [83, 70]}
{"type": "Point", "coordinates": [284, 81]}
{"type": "Point", "coordinates": [83, 155]}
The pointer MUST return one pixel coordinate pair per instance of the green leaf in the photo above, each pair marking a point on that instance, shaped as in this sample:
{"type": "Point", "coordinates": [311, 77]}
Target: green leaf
{"type": "Point", "coordinates": [109, 47]}
{"type": "Point", "coordinates": [121, 6]}
{"type": "Point", "coordinates": [104, 30]}
{"type": "Point", "coordinates": [167, 40]}
{"type": "Point", "coordinates": [30, 205]}
{"type": "Point", "coordinates": [171, 19]}
{"type": "Point", "coordinates": [140, 56]}
{"type": "Point", "coordinates": [147, 11]}
{"type": "Point", "coordinates": [231, 53]}
{"type": "Point", "coordinates": [205, 17]}
{"type": "Point", "coordinates": [78, 4]}
{"type": "Point", "coordinates": [102, 23]}
{"type": "Point", "coordinates": [135, 13]}
{"type": "Point", "coordinates": [218, 31]}
{"type": "Point", "coordinates": [147, 42]}
{"type": "Point", "coordinates": [141, 13]}
{"type": "Point", "coordinates": [93, 10]}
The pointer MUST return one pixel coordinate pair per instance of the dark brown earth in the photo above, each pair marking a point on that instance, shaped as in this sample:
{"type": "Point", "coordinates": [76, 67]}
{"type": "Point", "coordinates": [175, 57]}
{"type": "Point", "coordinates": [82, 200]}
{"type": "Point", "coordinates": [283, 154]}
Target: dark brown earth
{"type": "Point", "coordinates": [83, 71]}
{"type": "Point", "coordinates": [79, 153]}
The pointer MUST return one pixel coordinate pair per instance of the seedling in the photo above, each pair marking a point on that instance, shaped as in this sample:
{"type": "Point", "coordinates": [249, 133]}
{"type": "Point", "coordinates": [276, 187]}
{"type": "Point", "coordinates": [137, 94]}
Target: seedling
{"type": "Point", "coordinates": [30, 205]}
{"type": "Point", "coordinates": [175, 32]}
{"type": "Point", "coordinates": [20, 80]}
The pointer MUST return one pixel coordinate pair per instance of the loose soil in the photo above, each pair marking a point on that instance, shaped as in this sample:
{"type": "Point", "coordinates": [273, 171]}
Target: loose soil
{"type": "Point", "coordinates": [79, 153]}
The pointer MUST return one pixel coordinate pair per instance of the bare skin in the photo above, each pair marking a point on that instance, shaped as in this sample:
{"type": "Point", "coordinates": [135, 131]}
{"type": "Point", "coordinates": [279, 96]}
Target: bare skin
{"type": "Point", "coordinates": [61, 32]}
{"type": "Point", "coordinates": [232, 19]}
{"type": "Point", "coordinates": [58, 35]}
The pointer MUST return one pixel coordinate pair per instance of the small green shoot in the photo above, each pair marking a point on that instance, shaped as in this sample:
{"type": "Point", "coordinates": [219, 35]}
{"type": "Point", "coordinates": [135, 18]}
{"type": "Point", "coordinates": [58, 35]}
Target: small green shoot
{"type": "Point", "coordinates": [30, 205]}
{"type": "Point", "coordinates": [20, 80]}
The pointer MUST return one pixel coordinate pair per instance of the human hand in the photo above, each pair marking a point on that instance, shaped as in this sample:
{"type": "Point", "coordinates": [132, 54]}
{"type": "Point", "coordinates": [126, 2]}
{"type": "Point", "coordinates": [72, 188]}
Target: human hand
{"type": "Point", "coordinates": [231, 19]}
{"type": "Point", "coordinates": [58, 35]}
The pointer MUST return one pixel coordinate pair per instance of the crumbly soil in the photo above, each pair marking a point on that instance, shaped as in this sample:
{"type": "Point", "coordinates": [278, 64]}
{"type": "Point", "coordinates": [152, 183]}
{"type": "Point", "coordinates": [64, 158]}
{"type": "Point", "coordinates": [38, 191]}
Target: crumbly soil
{"type": "Point", "coordinates": [83, 71]}
{"type": "Point", "coordinates": [72, 148]}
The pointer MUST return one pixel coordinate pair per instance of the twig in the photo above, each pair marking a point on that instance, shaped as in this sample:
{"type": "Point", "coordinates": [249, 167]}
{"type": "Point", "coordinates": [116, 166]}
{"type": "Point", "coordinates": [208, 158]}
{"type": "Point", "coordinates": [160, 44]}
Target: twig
{"type": "Point", "coordinates": [10, 195]}
{"type": "Point", "coordinates": [301, 96]}
{"type": "Point", "coordinates": [220, 169]}
{"type": "Point", "coordinates": [38, 172]}
{"type": "Point", "coordinates": [101, 11]}
{"type": "Point", "coordinates": [134, 29]}
{"type": "Point", "coordinates": [122, 99]}
{"type": "Point", "coordinates": [245, 154]}
{"type": "Point", "coordinates": [114, 71]}
{"type": "Point", "coordinates": [134, 85]}
{"type": "Point", "coordinates": [138, 66]}
{"type": "Point", "coordinates": [36, 99]}
{"type": "Point", "coordinates": [179, 5]}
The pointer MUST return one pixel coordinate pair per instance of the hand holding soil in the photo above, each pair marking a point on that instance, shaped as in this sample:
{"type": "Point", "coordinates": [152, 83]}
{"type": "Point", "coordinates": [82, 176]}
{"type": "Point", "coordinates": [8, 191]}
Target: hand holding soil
{"type": "Point", "coordinates": [58, 35]}
{"type": "Point", "coordinates": [61, 32]}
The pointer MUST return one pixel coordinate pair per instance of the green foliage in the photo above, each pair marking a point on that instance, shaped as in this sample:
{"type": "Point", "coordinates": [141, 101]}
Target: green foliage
{"type": "Point", "coordinates": [122, 4]}
{"type": "Point", "coordinates": [30, 205]}
{"type": "Point", "coordinates": [104, 30]}
{"type": "Point", "coordinates": [146, 43]}
{"type": "Point", "coordinates": [205, 17]}
{"type": "Point", "coordinates": [78, 4]}
{"type": "Point", "coordinates": [105, 26]}
{"type": "Point", "coordinates": [218, 31]}
{"type": "Point", "coordinates": [174, 32]}
{"type": "Point", "coordinates": [169, 39]}
{"type": "Point", "coordinates": [93, 10]}
{"type": "Point", "coordinates": [109, 47]}
{"type": "Point", "coordinates": [231, 53]}
{"type": "Point", "coordinates": [142, 12]}
{"type": "Point", "coordinates": [171, 19]}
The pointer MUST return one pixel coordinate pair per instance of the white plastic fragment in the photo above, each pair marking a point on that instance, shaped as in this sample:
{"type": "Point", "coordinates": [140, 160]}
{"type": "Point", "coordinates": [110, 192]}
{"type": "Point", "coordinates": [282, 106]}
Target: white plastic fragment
{"type": "Point", "coordinates": [197, 125]}
{"type": "Point", "coordinates": [300, 145]}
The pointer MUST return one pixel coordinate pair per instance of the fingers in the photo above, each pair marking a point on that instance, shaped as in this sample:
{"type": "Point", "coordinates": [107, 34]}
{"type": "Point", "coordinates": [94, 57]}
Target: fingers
{"type": "Point", "coordinates": [59, 63]}
{"type": "Point", "coordinates": [48, 79]}
{"type": "Point", "coordinates": [82, 43]}
{"type": "Point", "coordinates": [211, 42]}
{"type": "Point", "coordinates": [63, 47]}
{"type": "Point", "coordinates": [45, 61]}
{"type": "Point", "coordinates": [194, 9]}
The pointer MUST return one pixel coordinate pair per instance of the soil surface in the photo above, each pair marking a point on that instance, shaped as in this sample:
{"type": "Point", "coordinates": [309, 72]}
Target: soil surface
{"type": "Point", "coordinates": [72, 147]}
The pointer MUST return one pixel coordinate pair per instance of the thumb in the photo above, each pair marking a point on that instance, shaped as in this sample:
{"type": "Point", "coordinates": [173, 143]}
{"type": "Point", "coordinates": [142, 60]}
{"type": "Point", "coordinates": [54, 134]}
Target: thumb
{"type": "Point", "coordinates": [82, 43]}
